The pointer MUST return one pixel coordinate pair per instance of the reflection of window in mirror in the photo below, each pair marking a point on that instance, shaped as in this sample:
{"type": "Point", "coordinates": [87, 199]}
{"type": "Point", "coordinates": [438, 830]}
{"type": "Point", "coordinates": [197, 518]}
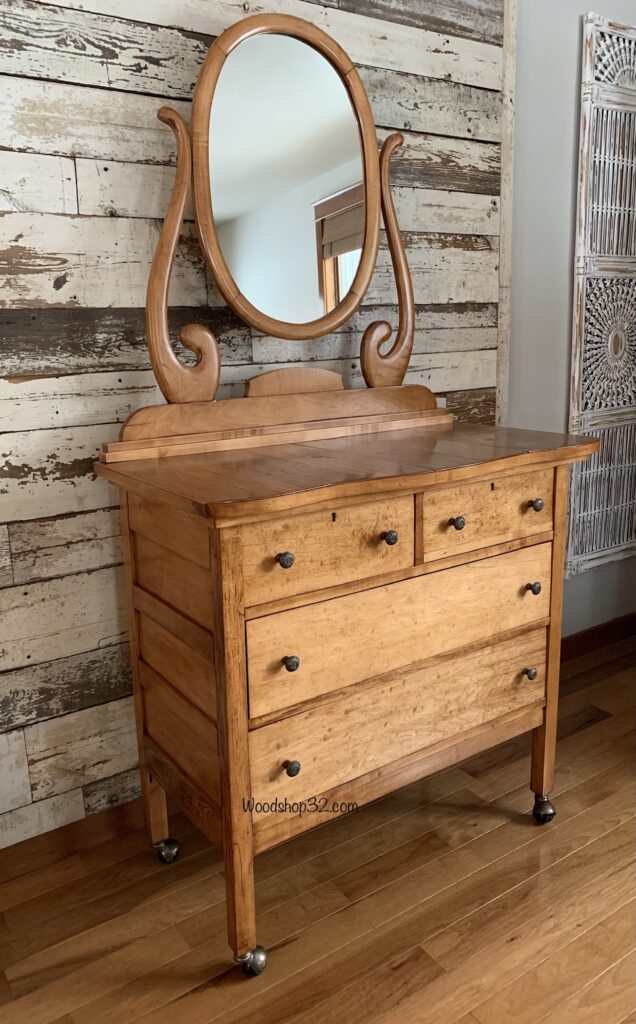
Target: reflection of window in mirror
{"type": "Point", "coordinates": [339, 237]}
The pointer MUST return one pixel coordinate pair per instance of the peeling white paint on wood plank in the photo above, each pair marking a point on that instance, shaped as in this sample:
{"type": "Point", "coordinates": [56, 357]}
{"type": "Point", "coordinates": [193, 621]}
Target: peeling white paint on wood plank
{"type": "Point", "coordinates": [57, 618]}
{"type": "Point", "coordinates": [90, 49]}
{"type": "Point", "coordinates": [77, 749]}
{"type": "Point", "coordinates": [90, 261]}
{"type": "Point", "coordinates": [64, 685]}
{"type": "Point", "coordinates": [108, 188]}
{"type": "Point", "coordinates": [15, 789]}
{"type": "Point", "coordinates": [112, 792]}
{"type": "Point", "coordinates": [52, 117]}
{"type": "Point", "coordinates": [76, 400]}
{"type": "Point", "coordinates": [444, 212]}
{"type": "Point", "coordinates": [346, 345]}
{"type": "Point", "coordinates": [6, 573]}
{"type": "Point", "coordinates": [47, 548]}
{"type": "Point", "coordinates": [436, 107]}
{"type": "Point", "coordinates": [37, 184]}
{"type": "Point", "coordinates": [444, 268]}
{"type": "Point", "coordinates": [25, 822]}
{"type": "Point", "coordinates": [50, 472]}
{"type": "Point", "coordinates": [381, 43]}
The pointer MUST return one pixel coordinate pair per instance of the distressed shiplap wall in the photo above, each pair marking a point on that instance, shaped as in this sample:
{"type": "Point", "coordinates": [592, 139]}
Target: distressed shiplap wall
{"type": "Point", "coordinates": [85, 173]}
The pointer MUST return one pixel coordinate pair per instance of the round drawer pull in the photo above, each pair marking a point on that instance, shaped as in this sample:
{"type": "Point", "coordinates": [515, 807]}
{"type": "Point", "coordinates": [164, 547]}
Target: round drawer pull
{"type": "Point", "coordinates": [291, 662]}
{"type": "Point", "coordinates": [390, 537]}
{"type": "Point", "coordinates": [458, 522]}
{"type": "Point", "coordinates": [285, 559]}
{"type": "Point", "coordinates": [292, 768]}
{"type": "Point", "coordinates": [534, 588]}
{"type": "Point", "coordinates": [536, 504]}
{"type": "Point", "coordinates": [531, 673]}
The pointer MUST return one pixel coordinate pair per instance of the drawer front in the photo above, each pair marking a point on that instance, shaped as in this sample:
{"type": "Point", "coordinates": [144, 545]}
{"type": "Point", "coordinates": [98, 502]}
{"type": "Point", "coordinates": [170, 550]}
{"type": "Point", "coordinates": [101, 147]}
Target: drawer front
{"type": "Point", "coordinates": [493, 511]}
{"type": "Point", "coordinates": [400, 715]}
{"type": "Point", "coordinates": [330, 547]}
{"type": "Point", "coordinates": [347, 639]}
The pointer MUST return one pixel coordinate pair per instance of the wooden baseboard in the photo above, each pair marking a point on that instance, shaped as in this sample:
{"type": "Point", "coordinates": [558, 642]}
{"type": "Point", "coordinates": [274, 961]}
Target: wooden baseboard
{"type": "Point", "coordinates": [605, 633]}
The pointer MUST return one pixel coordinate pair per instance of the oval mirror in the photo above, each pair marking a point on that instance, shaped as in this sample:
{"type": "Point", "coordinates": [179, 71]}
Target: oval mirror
{"type": "Point", "coordinates": [286, 177]}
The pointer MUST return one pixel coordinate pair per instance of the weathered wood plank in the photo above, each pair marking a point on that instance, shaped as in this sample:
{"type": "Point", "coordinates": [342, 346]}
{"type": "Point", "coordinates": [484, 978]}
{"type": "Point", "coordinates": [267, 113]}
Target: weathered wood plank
{"type": "Point", "coordinates": [472, 406]}
{"type": "Point", "coordinates": [437, 107]}
{"type": "Point", "coordinates": [88, 261]}
{"type": "Point", "coordinates": [444, 269]}
{"type": "Point", "coordinates": [46, 548]}
{"type": "Point", "coordinates": [432, 161]}
{"type": "Point", "coordinates": [25, 822]}
{"type": "Point", "coordinates": [111, 792]}
{"type": "Point", "coordinates": [50, 472]}
{"type": "Point", "coordinates": [346, 344]}
{"type": "Point", "coordinates": [15, 788]}
{"type": "Point", "coordinates": [76, 749]}
{"type": "Point", "coordinates": [92, 49]}
{"type": "Point", "coordinates": [37, 184]}
{"type": "Point", "coordinates": [471, 19]}
{"type": "Point", "coordinates": [77, 400]}
{"type": "Point", "coordinates": [115, 189]}
{"type": "Point", "coordinates": [53, 341]}
{"type": "Point", "coordinates": [57, 618]}
{"type": "Point", "coordinates": [6, 570]}
{"type": "Point", "coordinates": [65, 685]}
{"type": "Point", "coordinates": [385, 43]}
{"type": "Point", "coordinates": [53, 117]}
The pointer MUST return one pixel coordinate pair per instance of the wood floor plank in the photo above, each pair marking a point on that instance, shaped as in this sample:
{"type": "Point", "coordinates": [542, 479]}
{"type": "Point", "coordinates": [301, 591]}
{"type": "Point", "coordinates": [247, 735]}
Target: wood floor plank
{"type": "Point", "coordinates": [607, 999]}
{"type": "Point", "coordinates": [459, 991]}
{"type": "Point", "coordinates": [536, 993]}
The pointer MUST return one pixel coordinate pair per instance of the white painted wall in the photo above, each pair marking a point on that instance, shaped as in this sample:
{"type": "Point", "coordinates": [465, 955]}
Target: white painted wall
{"type": "Point", "coordinates": [271, 250]}
{"type": "Point", "coordinates": [545, 192]}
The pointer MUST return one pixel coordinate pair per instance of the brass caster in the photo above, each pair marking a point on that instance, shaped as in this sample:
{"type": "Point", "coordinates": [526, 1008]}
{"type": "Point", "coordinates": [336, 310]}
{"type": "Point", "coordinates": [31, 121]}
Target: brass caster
{"type": "Point", "coordinates": [543, 810]}
{"type": "Point", "coordinates": [253, 963]}
{"type": "Point", "coordinates": [167, 850]}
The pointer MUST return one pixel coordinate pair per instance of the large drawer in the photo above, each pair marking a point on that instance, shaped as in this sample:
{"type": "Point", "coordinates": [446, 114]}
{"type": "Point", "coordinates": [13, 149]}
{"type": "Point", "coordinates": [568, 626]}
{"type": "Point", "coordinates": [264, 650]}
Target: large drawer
{"type": "Point", "coordinates": [474, 515]}
{"type": "Point", "coordinates": [328, 547]}
{"type": "Point", "coordinates": [399, 715]}
{"type": "Point", "coordinates": [347, 639]}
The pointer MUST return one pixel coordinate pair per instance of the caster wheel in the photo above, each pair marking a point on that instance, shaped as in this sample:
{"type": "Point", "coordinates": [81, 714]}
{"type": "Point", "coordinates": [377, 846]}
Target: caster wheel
{"type": "Point", "coordinates": [167, 850]}
{"type": "Point", "coordinates": [254, 962]}
{"type": "Point", "coordinates": [543, 811]}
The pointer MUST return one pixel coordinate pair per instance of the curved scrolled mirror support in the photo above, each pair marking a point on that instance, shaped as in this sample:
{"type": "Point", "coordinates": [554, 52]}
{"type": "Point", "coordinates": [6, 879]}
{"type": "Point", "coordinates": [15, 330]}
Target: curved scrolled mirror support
{"type": "Point", "coordinates": [178, 382]}
{"type": "Point", "coordinates": [390, 369]}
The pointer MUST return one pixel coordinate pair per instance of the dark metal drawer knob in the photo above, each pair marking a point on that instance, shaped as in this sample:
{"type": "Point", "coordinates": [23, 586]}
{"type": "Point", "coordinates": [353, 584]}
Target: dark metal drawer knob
{"type": "Point", "coordinates": [536, 504]}
{"type": "Point", "coordinates": [292, 768]}
{"type": "Point", "coordinates": [535, 588]}
{"type": "Point", "coordinates": [458, 522]}
{"type": "Point", "coordinates": [285, 559]}
{"type": "Point", "coordinates": [390, 537]}
{"type": "Point", "coordinates": [531, 673]}
{"type": "Point", "coordinates": [291, 662]}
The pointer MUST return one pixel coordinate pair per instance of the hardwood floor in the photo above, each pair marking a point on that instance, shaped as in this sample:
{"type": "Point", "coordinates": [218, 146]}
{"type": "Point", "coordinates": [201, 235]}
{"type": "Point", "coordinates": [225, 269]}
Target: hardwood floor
{"type": "Point", "coordinates": [443, 903]}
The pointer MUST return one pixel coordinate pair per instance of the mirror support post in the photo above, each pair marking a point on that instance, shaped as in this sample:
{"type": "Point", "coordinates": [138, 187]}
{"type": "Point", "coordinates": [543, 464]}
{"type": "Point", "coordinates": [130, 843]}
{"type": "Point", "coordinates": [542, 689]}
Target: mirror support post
{"type": "Point", "coordinates": [178, 382]}
{"type": "Point", "coordinates": [389, 370]}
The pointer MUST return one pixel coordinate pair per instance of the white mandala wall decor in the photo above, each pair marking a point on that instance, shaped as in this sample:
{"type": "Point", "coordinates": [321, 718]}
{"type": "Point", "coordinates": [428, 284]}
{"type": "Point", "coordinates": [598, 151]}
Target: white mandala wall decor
{"type": "Point", "coordinates": [603, 383]}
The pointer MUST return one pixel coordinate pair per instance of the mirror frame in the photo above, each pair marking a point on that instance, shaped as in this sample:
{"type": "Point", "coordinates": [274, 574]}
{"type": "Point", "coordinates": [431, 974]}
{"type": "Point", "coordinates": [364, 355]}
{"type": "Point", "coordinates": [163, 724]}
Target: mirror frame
{"type": "Point", "coordinates": [283, 24]}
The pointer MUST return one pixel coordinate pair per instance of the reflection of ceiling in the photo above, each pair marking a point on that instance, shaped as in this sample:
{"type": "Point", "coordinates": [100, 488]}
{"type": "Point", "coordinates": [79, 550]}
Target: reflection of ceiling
{"type": "Point", "coordinates": [280, 117]}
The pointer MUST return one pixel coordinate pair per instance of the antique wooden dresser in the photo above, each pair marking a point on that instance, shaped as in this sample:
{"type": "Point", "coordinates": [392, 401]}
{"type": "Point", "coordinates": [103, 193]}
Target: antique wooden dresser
{"type": "Point", "coordinates": [333, 593]}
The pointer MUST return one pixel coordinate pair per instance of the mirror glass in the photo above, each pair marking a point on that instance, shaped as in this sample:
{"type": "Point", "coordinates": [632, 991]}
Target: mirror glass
{"type": "Point", "coordinates": [286, 178]}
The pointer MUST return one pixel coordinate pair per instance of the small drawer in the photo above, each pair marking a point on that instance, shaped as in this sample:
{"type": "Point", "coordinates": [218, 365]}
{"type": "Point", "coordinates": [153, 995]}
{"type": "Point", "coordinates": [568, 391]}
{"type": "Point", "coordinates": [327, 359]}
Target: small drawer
{"type": "Point", "coordinates": [398, 715]}
{"type": "Point", "coordinates": [297, 655]}
{"type": "Point", "coordinates": [302, 553]}
{"type": "Point", "coordinates": [476, 515]}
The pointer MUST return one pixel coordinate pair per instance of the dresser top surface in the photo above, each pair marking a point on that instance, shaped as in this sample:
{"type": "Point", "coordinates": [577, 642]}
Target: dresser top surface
{"type": "Point", "coordinates": [228, 484]}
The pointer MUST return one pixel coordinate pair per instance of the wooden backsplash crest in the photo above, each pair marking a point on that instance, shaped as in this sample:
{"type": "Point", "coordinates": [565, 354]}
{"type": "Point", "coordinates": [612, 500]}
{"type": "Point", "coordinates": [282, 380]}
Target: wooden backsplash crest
{"type": "Point", "coordinates": [85, 172]}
